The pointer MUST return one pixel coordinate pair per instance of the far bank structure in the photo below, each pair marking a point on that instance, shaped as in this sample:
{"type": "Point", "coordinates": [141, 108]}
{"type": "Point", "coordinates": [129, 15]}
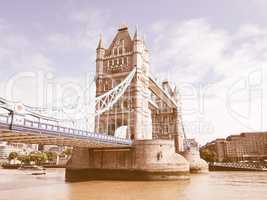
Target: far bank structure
{"type": "Point", "coordinates": [154, 126]}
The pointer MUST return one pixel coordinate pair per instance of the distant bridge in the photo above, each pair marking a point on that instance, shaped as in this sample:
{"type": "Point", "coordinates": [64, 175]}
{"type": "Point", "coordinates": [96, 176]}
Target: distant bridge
{"type": "Point", "coordinates": [237, 166]}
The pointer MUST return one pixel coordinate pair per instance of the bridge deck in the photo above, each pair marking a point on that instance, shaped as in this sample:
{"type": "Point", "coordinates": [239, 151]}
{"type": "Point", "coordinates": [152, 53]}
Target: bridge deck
{"type": "Point", "coordinates": [40, 133]}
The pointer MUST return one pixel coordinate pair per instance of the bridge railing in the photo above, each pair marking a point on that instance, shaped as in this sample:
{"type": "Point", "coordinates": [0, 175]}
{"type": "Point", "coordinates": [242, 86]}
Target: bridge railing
{"type": "Point", "coordinates": [239, 165]}
{"type": "Point", "coordinates": [57, 130]}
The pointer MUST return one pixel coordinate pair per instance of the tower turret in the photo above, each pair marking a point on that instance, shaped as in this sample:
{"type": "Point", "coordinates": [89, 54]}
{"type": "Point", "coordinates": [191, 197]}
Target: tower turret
{"type": "Point", "coordinates": [140, 53]}
{"type": "Point", "coordinates": [100, 53]}
{"type": "Point", "coordinates": [137, 50]}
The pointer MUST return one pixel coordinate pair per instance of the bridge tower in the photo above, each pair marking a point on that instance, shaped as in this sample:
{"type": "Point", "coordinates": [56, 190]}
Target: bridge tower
{"type": "Point", "coordinates": [113, 64]}
{"type": "Point", "coordinates": [122, 71]}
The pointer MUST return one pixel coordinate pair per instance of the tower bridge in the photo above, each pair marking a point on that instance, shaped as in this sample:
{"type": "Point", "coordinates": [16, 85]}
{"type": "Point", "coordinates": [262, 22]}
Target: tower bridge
{"type": "Point", "coordinates": [138, 128]}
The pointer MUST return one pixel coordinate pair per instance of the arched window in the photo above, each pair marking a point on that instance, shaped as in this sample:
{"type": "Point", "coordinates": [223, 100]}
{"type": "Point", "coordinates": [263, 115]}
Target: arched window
{"type": "Point", "coordinates": [125, 104]}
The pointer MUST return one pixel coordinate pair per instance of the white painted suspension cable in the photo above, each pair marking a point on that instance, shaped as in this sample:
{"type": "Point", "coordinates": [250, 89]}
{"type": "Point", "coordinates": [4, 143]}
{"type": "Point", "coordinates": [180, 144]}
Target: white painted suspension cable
{"type": "Point", "coordinates": [105, 101]}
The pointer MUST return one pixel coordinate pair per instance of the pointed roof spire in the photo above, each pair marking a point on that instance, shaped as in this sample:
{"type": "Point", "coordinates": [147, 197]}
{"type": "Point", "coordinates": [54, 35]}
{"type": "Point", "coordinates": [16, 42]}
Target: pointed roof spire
{"type": "Point", "coordinates": [136, 35]}
{"type": "Point", "coordinates": [123, 27]}
{"type": "Point", "coordinates": [175, 91]}
{"type": "Point", "coordinates": [100, 43]}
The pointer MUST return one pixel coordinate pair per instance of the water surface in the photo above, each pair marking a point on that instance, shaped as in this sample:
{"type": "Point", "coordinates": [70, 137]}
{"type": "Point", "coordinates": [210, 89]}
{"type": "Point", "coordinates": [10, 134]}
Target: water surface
{"type": "Point", "coordinates": [20, 185]}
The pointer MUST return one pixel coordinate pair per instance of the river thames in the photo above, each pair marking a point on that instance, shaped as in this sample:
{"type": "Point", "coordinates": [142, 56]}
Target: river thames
{"type": "Point", "coordinates": [19, 185]}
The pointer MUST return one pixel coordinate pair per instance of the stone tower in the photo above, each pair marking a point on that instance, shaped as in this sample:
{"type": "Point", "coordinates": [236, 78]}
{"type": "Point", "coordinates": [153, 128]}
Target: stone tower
{"type": "Point", "coordinates": [147, 109]}
{"type": "Point", "coordinates": [113, 64]}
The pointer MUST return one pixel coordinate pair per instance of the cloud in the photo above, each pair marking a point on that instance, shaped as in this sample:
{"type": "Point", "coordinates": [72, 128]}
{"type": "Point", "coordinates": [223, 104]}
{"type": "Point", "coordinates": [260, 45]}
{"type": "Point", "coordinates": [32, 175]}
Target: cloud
{"type": "Point", "coordinates": [183, 46]}
{"type": "Point", "coordinates": [54, 70]}
{"type": "Point", "coordinates": [87, 24]}
{"type": "Point", "coordinates": [74, 50]}
{"type": "Point", "coordinates": [18, 53]}
{"type": "Point", "coordinates": [209, 61]}
{"type": "Point", "coordinates": [17, 56]}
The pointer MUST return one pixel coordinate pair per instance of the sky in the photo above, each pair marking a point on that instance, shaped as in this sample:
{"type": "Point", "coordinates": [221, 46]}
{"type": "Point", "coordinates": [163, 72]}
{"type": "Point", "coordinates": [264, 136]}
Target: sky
{"type": "Point", "coordinates": [214, 51]}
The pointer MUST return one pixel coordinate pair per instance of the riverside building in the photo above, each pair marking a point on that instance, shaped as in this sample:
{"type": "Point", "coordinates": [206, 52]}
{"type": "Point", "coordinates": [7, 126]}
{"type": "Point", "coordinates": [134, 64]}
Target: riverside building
{"type": "Point", "coordinates": [249, 146]}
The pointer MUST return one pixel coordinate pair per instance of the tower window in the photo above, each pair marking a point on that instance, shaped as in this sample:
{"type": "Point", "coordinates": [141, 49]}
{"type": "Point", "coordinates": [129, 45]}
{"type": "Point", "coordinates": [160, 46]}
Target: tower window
{"type": "Point", "coordinates": [125, 104]}
{"type": "Point", "coordinates": [115, 51]}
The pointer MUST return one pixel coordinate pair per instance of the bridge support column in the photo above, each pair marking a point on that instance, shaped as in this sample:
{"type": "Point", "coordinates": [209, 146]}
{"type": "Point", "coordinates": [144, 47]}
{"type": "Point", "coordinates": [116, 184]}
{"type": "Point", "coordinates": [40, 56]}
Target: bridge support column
{"type": "Point", "coordinates": [196, 164]}
{"type": "Point", "coordinates": [178, 137]}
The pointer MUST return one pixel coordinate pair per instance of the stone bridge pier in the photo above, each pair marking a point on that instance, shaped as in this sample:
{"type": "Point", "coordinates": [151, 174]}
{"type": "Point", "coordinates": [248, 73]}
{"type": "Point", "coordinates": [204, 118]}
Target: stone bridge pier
{"type": "Point", "coordinates": [145, 160]}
